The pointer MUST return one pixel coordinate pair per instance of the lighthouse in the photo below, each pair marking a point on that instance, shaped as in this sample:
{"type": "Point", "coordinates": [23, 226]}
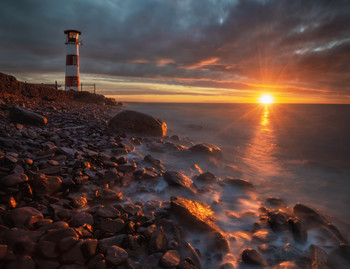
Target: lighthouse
{"type": "Point", "coordinates": [72, 60]}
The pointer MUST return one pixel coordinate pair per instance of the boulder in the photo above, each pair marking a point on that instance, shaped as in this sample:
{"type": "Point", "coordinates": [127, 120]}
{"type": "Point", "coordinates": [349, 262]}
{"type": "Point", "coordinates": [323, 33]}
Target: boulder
{"type": "Point", "coordinates": [197, 213]}
{"type": "Point", "coordinates": [138, 123]}
{"type": "Point", "coordinates": [20, 115]}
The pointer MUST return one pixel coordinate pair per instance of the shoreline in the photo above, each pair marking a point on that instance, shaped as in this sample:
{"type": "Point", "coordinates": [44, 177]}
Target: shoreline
{"type": "Point", "coordinates": [73, 193]}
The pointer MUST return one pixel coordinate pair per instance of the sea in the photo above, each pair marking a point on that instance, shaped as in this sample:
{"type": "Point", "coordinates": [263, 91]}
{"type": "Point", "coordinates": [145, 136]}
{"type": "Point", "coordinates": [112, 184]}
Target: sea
{"type": "Point", "coordinates": [297, 152]}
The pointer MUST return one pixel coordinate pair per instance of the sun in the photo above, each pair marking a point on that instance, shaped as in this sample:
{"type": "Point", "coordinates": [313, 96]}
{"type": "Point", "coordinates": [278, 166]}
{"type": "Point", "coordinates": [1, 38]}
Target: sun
{"type": "Point", "coordinates": [266, 99]}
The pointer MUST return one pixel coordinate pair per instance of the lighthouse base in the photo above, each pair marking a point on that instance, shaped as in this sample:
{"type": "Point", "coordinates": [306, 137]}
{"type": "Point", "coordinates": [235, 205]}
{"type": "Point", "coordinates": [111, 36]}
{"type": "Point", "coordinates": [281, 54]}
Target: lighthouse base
{"type": "Point", "coordinates": [68, 88]}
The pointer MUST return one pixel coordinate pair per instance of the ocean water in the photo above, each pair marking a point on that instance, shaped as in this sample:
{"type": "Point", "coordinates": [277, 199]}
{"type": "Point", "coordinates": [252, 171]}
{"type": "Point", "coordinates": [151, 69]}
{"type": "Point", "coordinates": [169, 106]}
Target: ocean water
{"type": "Point", "coordinates": [298, 152]}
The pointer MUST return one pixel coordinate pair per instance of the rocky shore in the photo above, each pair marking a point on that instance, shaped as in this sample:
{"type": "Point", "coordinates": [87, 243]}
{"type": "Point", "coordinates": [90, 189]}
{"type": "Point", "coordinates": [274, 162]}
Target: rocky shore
{"type": "Point", "coordinates": [83, 188]}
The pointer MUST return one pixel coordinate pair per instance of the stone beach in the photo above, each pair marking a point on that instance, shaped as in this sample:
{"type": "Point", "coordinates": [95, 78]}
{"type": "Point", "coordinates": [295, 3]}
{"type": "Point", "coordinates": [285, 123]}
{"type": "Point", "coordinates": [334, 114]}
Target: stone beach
{"type": "Point", "coordinates": [82, 188]}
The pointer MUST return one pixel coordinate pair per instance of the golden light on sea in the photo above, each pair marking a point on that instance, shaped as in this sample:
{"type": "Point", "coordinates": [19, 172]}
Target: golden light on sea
{"type": "Point", "coordinates": [266, 99]}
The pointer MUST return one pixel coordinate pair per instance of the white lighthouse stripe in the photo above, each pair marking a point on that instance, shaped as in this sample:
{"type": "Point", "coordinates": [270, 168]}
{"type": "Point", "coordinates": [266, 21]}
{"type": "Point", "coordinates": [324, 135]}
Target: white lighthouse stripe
{"type": "Point", "coordinates": [72, 71]}
{"type": "Point", "coordinates": [72, 49]}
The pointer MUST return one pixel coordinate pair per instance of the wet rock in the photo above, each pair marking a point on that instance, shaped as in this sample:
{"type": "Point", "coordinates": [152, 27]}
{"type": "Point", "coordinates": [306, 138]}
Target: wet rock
{"type": "Point", "coordinates": [20, 115]}
{"type": "Point", "coordinates": [252, 257]}
{"type": "Point", "coordinates": [199, 214]}
{"type": "Point", "coordinates": [116, 255]}
{"type": "Point", "coordinates": [3, 251]}
{"type": "Point", "coordinates": [79, 201]}
{"type": "Point", "coordinates": [137, 123]}
{"type": "Point", "coordinates": [53, 170]}
{"type": "Point", "coordinates": [108, 194]}
{"type": "Point", "coordinates": [67, 151]}
{"type": "Point", "coordinates": [170, 259]}
{"type": "Point", "coordinates": [43, 263]}
{"type": "Point", "coordinates": [14, 179]}
{"type": "Point", "coordinates": [129, 167]}
{"type": "Point", "coordinates": [226, 265]}
{"type": "Point", "coordinates": [46, 185]}
{"type": "Point", "coordinates": [344, 251]}
{"type": "Point", "coordinates": [157, 242]}
{"type": "Point", "coordinates": [117, 240]}
{"type": "Point", "coordinates": [275, 202]}
{"type": "Point", "coordinates": [97, 262]}
{"type": "Point", "coordinates": [309, 216]}
{"type": "Point", "coordinates": [47, 249]}
{"type": "Point", "coordinates": [152, 261]}
{"type": "Point", "coordinates": [337, 233]}
{"type": "Point", "coordinates": [189, 255]}
{"type": "Point", "coordinates": [112, 226]}
{"type": "Point", "coordinates": [67, 243]}
{"type": "Point", "coordinates": [239, 183]}
{"type": "Point", "coordinates": [22, 262]}
{"type": "Point", "coordinates": [24, 215]}
{"type": "Point", "coordinates": [207, 177]}
{"type": "Point", "coordinates": [57, 235]}
{"type": "Point", "coordinates": [218, 242]}
{"type": "Point", "coordinates": [187, 264]}
{"type": "Point", "coordinates": [264, 236]}
{"type": "Point", "coordinates": [107, 211]}
{"type": "Point", "coordinates": [298, 230]}
{"type": "Point", "coordinates": [288, 253]}
{"type": "Point", "coordinates": [206, 149]}
{"type": "Point", "coordinates": [73, 255]}
{"type": "Point", "coordinates": [89, 247]}
{"type": "Point", "coordinates": [319, 258]}
{"type": "Point", "coordinates": [81, 218]}
{"type": "Point", "coordinates": [277, 221]}
{"type": "Point", "coordinates": [178, 179]}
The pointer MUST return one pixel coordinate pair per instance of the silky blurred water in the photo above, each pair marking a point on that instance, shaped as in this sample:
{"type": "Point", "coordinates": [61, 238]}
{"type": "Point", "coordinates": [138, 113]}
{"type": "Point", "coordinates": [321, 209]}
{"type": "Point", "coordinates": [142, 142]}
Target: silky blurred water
{"type": "Point", "coordinates": [298, 152]}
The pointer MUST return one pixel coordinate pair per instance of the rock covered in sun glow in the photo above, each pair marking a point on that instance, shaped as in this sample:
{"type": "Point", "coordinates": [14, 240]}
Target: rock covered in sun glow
{"type": "Point", "coordinates": [195, 212]}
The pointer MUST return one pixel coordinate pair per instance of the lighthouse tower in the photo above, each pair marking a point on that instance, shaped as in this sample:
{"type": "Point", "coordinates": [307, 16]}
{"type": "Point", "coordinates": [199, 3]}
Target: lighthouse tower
{"type": "Point", "coordinates": [72, 60]}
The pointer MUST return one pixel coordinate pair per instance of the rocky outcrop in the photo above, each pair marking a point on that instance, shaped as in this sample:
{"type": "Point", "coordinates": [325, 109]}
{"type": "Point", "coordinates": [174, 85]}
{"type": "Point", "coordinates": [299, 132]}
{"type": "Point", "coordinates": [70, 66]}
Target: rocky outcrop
{"type": "Point", "coordinates": [134, 122]}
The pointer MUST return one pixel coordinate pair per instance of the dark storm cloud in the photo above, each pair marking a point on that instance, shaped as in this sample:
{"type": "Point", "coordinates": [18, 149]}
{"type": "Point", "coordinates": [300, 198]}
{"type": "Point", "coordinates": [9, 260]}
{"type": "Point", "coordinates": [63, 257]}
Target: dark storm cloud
{"type": "Point", "coordinates": [202, 43]}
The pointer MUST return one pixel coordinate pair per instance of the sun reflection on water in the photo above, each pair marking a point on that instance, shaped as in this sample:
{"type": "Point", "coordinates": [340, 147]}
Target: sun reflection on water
{"type": "Point", "coordinates": [265, 119]}
{"type": "Point", "coordinates": [259, 156]}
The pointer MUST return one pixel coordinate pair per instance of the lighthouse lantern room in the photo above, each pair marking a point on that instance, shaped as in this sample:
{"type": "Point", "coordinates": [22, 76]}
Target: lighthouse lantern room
{"type": "Point", "coordinates": [72, 60]}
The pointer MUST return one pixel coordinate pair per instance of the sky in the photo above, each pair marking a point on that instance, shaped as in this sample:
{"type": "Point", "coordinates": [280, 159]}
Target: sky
{"type": "Point", "coordinates": [186, 50]}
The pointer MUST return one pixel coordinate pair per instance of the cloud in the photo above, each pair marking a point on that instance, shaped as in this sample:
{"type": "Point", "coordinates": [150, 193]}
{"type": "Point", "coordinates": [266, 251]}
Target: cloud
{"type": "Point", "coordinates": [209, 43]}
